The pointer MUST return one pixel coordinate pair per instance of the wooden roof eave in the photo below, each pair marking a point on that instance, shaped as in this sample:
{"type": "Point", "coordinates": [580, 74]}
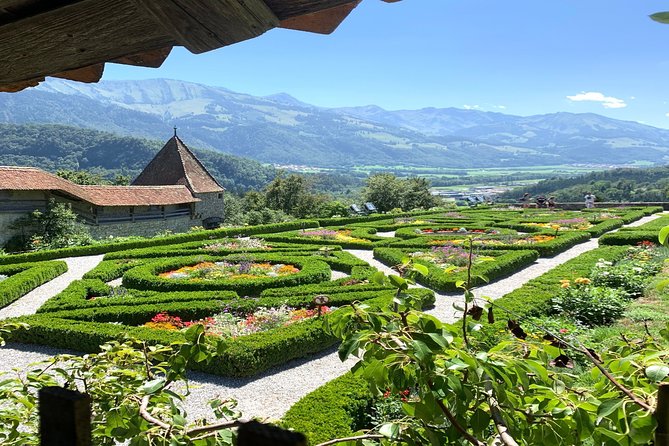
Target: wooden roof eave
{"type": "Point", "coordinates": [55, 37]}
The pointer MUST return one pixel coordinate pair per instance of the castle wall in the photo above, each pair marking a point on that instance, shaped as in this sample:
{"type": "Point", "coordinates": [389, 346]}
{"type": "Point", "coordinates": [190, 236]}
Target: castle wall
{"type": "Point", "coordinates": [211, 206]}
{"type": "Point", "coordinates": [146, 228]}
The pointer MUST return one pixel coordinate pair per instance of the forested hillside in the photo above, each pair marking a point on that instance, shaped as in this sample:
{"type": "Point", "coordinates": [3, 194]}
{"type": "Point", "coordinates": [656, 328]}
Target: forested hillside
{"type": "Point", "coordinates": [650, 184]}
{"type": "Point", "coordinates": [56, 147]}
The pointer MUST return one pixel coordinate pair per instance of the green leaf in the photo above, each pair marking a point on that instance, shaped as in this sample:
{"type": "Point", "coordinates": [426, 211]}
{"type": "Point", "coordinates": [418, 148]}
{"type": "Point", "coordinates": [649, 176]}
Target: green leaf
{"type": "Point", "coordinates": [421, 349]}
{"type": "Point", "coordinates": [661, 17]}
{"type": "Point", "coordinates": [378, 278]}
{"type": "Point", "coordinates": [608, 407]}
{"type": "Point", "coordinates": [398, 282]}
{"type": "Point", "coordinates": [422, 269]}
{"type": "Point", "coordinates": [194, 332]}
{"type": "Point", "coordinates": [657, 372]}
{"type": "Point", "coordinates": [152, 386]}
{"type": "Point", "coordinates": [664, 232]}
{"type": "Point", "coordinates": [439, 339]}
{"type": "Point", "coordinates": [390, 430]}
{"type": "Point", "coordinates": [349, 346]}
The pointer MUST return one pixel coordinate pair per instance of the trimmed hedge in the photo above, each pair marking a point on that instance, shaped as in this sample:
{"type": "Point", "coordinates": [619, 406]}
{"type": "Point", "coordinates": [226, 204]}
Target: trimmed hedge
{"type": "Point", "coordinates": [25, 277]}
{"type": "Point", "coordinates": [92, 293]}
{"type": "Point", "coordinates": [411, 232]}
{"type": "Point", "coordinates": [193, 248]}
{"type": "Point", "coordinates": [144, 277]}
{"type": "Point", "coordinates": [506, 263]}
{"type": "Point", "coordinates": [562, 242]}
{"type": "Point", "coordinates": [102, 248]}
{"type": "Point", "coordinates": [242, 356]}
{"type": "Point", "coordinates": [366, 234]}
{"type": "Point", "coordinates": [108, 270]}
{"type": "Point", "coordinates": [532, 298]}
{"type": "Point", "coordinates": [334, 410]}
{"type": "Point", "coordinates": [628, 237]}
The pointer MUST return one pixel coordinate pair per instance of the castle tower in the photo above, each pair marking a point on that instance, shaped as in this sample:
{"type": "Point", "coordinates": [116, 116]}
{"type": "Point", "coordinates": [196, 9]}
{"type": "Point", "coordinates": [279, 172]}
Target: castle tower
{"type": "Point", "coordinates": [175, 164]}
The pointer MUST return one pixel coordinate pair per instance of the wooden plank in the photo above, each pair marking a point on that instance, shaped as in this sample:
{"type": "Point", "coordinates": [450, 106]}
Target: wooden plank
{"type": "Point", "coordinates": [18, 86]}
{"type": "Point", "coordinates": [152, 59]}
{"type": "Point", "coordinates": [65, 39]}
{"type": "Point", "coordinates": [284, 9]}
{"type": "Point", "coordinates": [322, 22]}
{"type": "Point", "coordinates": [65, 417]}
{"type": "Point", "coordinates": [89, 74]}
{"type": "Point", "coordinates": [203, 25]}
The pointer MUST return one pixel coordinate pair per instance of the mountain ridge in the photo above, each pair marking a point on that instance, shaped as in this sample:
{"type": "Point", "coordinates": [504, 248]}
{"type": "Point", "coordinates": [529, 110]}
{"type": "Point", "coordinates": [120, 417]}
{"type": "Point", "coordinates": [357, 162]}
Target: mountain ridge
{"type": "Point", "coordinates": [281, 129]}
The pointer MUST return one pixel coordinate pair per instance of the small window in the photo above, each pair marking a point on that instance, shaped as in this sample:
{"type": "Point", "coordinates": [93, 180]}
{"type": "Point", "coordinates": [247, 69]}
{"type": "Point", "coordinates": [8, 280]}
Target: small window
{"type": "Point", "coordinates": [220, 196]}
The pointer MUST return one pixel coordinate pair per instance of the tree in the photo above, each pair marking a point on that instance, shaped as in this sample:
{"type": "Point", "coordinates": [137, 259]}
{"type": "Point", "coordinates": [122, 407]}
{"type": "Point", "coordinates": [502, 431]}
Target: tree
{"type": "Point", "coordinates": [56, 227]}
{"type": "Point", "coordinates": [388, 192]}
{"type": "Point", "coordinates": [82, 177]}
{"type": "Point", "coordinates": [383, 190]}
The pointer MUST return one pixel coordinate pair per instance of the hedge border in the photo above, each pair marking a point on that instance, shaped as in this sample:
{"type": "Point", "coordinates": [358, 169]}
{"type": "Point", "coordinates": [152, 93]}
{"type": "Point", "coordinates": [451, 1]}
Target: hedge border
{"type": "Point", "coordinates": [25, 277]}
{"type": "Point", "coordinates": [506, 263]}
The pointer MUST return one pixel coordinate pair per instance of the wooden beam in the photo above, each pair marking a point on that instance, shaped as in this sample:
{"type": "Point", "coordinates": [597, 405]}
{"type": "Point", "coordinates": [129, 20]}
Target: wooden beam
{"type": "Point", "coordinates": [89, 74]}
{"type": "Point", "coordinates": [286, 9]}
{"type": "Point", "coordinates": [203, 25]}
{"type": "Point", "coordinates": [322, 22]}
{"type": "Point", "coordinates": [18, 86]}
{"type": "Point", "coordinates": [75, 36]}
{"type": "Point", "coordinates": [151, 59]}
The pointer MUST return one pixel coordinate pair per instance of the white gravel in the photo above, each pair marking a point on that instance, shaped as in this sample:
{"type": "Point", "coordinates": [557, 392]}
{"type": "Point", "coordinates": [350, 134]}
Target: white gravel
{"type": "Point", "coordinates": [272, 393]}
{"type": "Point", "coordinates": [338, 275]}
{"type": "Point", "coordinates": [116, 282]}
{"type": "Point", "coordinates": [28, 304]}
{"type": "Point", "coordinates": [386, 234]}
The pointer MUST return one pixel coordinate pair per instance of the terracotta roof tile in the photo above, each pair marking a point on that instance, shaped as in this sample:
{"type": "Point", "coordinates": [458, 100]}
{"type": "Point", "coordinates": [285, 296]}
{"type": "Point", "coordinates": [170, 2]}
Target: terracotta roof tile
{"type": "Point", "coordinates": [176, 164]}
{"type": "Point", "coordinates": [138, 195]}
{"type": "Point", "coordinates": [30, 178]}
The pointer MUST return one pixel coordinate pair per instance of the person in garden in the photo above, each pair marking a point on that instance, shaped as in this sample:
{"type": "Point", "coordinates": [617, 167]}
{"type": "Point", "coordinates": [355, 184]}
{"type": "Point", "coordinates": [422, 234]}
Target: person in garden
{"type": "Point", "coordinates": [525, 200]}
{"type": "Point", "coordinates": [589, 200]}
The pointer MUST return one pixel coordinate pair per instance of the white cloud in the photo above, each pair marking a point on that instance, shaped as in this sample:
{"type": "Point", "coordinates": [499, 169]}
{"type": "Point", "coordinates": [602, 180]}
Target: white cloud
{"type": "Point", "coordinates": [501, 107]}
{"type": "Point", "coordinates": [595, 96]}
{"type": "Point", "coordinates": [667, 115]}
{"type": "Point", "coordinates": [471, 107]}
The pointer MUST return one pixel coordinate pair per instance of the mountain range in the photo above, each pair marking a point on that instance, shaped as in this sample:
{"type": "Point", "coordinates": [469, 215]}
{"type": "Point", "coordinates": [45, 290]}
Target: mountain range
{"type": "Point", "coordinates": [282, 130]}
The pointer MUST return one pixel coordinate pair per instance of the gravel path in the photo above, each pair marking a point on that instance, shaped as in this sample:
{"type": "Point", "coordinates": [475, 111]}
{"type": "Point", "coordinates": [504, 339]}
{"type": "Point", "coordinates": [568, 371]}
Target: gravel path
{"type": "Point", "coordinates": [272, 393]}
{"type": "Point", "coordinates": [28, 304]}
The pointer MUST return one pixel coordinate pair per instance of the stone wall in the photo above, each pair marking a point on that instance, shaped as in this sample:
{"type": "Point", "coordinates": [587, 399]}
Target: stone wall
{"type": "Point", "coordinates": [6, 220]}
{"type": "Point", "coordinates": [212, 205]}
{"type": "Point", "coordinates": [146, 228]}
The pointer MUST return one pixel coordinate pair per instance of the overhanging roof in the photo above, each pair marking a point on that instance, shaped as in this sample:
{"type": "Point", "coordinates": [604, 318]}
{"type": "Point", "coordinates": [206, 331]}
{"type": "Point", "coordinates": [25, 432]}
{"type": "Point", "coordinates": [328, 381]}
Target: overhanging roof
{"type": "Point", "coordinates": [73, 39]}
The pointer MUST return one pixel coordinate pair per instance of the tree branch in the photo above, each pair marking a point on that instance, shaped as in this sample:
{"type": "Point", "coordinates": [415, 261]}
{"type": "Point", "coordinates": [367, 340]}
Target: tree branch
{"type": "Point", "coordinates": [358, 437]}
{"type": "Point", "coordinates": [144, 412]}
{"type": "Point", "coordinates": [500, 424]}
{"type": "Point", "coordinates": [469, 437]}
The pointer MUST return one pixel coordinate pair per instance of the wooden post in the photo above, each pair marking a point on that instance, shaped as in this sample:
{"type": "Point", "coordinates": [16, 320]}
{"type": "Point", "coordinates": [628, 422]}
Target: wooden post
{"type": "Point", "coordinates": [662, 416]}
{"type": "Point", "coordinates": [65, 417]}
{"type": "Point", "coordinates": [254, 433]}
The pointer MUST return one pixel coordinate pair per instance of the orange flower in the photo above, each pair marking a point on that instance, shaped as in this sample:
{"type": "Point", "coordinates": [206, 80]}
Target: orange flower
{"type": "Point", "coordinates": [582, 281]}
{"type": "Point", "coordinates": [564, 283]}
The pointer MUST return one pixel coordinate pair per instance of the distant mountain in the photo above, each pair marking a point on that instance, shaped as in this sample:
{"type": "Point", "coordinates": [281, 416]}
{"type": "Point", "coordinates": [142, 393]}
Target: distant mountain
{"type": "Point", "coordinates": [283, 130]}
{"type": "Point", "coordinates": [54, 147]}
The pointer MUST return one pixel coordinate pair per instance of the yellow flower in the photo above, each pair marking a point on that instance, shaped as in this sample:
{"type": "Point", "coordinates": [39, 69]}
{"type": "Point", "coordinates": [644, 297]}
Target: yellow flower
{"type": "Point", "coordinates": [564, 283]}
{"type": "Point", "coordinates": [582, 281]}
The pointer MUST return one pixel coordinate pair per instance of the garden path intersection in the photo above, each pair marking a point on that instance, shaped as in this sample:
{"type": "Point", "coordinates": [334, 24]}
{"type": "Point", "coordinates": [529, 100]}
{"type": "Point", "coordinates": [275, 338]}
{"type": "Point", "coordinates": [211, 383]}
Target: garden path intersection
{"type": "Point", "coordinates": [272, 393]}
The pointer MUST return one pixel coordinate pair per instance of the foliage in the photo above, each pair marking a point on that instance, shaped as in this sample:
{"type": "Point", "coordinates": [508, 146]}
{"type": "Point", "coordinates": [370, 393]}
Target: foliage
{"type": "Point", "coordinates": [56, 227]}
{"type": "Point", "coordinates": [57, 147]}
{"type": "Point", "coordinates": [590, 305]}
{"type": "Point", "coordinates": [87, 178]}
{"type": "Point", "coordinates": [25, 277]}
{"type": "Point", "coordinates": [387, 192]}
{"type": "Point", "coordinates": [137, 393]}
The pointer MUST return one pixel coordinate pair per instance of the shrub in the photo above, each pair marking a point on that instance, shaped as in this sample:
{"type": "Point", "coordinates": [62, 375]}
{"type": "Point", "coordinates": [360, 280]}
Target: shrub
{"type": "Point", "coordinates": [24, 278]}
{"type": "Point", "coordinates": [590, 305]}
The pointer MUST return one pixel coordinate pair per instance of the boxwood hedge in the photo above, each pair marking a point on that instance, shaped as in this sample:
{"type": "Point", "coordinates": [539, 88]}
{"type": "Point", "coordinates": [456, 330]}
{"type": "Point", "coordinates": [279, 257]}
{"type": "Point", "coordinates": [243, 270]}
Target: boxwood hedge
{"type": "Point", "coordinates": [101, 248]}
{"type": "Point", "coordinates": [25, 277]}
{"type": "Point", "coordinates": [505, 263]}
{"type": "Point", "coordinates": [145, 277]}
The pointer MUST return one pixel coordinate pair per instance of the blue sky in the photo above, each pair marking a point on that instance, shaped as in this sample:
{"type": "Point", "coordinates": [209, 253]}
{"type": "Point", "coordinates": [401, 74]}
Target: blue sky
{"type": "Point", "coordinates": [517, 56]}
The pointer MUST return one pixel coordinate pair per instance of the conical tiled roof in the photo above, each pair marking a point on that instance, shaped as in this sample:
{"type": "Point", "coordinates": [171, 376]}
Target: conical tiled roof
{"type": "Point", "coordinates": [176, 164]}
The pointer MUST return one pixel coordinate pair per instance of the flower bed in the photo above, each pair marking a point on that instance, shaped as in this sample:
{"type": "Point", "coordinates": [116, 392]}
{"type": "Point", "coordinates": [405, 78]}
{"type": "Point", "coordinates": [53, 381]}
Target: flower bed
{"type": "Point", "coordinates": [229, 270]}
{"type": "Point", "coordinates": [230, 325]}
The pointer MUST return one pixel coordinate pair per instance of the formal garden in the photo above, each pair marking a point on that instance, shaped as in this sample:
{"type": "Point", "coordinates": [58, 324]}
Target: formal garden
{"type": "Point", "coordinates": [582, 343]}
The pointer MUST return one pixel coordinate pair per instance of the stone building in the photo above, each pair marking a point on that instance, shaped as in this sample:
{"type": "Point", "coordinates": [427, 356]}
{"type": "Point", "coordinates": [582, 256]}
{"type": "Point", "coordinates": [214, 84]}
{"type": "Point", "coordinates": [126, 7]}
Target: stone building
{"type": "Point", "coordinates": [174, 192]}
